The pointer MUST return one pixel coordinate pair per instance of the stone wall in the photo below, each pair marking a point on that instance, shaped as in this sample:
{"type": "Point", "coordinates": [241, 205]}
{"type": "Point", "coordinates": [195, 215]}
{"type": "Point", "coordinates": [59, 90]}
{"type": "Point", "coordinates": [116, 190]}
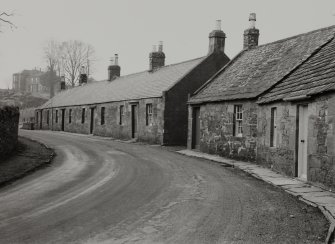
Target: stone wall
{"type": "Point", "coordinates": [280, 158]}
{"type": "Point", "coordinates": [9, 124]}
{"type": "Point", "coordinates": [320, 139]}
{"type": "Point", "coordinates": [152, 133]}
{"type": "Point", "coordinates": [216, 130]}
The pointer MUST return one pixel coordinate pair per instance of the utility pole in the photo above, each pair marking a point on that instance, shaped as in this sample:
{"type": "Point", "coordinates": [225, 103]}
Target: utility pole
{"type": "Point", "coordinates": [88, 68]}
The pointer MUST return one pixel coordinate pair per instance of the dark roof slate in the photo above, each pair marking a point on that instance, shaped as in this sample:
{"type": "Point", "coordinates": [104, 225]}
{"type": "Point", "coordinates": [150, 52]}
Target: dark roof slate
{"type": "Point", "coordinates": [256, 70]}
{"type": "Point", "coordinates": [144, 84]}
{"type": "Point", "coordinates": [314, 76]}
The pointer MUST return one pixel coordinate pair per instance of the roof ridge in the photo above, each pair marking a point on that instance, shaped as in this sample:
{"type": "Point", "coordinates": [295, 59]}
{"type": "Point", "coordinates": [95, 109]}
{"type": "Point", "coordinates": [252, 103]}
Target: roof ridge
{"type": "Point", "coordinates": [295, 36]}
{"type": "Point", "coordinates": [163, 67]}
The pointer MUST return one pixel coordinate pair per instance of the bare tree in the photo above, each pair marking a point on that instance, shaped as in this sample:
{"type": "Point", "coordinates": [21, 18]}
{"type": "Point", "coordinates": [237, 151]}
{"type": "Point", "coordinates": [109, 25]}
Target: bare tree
{"type": "Point", "coordinates": [75, 54]}
{"type": "Point", "coordinates": [52, 56]}
{"type": "Point", "coordinates": [5, 18]}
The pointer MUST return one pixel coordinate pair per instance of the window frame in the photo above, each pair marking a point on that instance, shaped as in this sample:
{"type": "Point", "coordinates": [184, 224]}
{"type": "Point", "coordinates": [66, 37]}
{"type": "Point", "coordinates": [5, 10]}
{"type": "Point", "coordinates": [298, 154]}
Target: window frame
{"type": "Point", "coordinates": [48, 114]}
{"type": "Point", "coordinates": [83, 115]}
{"type": "Point", "coordinates": [70, 115]}
{"type": "Point", "coordinates": [121, 114]}
{"type": "Point", "coordinates": [102, 115]}
{"type": "Point", "coordinates": [148, 114]}
{"type": "Point", "coordinates": [273, 127]}
{"type": "Point", "coordinates": [56, 116]}
{"type": "Point", "coordinates": [238, 121]}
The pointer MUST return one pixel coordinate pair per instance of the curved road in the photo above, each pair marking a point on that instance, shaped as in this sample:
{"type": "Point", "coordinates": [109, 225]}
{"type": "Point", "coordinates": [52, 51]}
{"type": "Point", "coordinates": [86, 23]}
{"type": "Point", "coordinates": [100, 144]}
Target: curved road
{"type": "Point", "coordinates": [101, 191]}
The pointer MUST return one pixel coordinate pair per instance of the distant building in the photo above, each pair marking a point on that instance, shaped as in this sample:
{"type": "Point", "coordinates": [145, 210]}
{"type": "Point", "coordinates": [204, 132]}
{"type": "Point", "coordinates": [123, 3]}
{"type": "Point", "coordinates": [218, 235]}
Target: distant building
{"type": "Point", "coordinates": [30, 81]}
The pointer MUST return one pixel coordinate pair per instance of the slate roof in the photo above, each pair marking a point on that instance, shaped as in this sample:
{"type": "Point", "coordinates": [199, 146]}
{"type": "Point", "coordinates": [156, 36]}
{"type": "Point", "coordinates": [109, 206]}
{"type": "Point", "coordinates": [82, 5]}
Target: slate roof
{"type": "Point", "coordinates": [314, 76]}
{"type": "Point", "coordinates": [144, 84]}
{"type": "Point", "coordinates": [254, 71]}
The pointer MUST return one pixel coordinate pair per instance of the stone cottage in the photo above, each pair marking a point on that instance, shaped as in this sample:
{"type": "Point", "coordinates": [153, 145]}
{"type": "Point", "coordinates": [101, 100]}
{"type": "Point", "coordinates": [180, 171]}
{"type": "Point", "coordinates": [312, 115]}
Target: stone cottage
{"type": "Point", "coordinates": [149, 106]}
{"type": "Point", "coordinates": [272, 104]}
{"type": "Point", "coordinates": [296, 123]}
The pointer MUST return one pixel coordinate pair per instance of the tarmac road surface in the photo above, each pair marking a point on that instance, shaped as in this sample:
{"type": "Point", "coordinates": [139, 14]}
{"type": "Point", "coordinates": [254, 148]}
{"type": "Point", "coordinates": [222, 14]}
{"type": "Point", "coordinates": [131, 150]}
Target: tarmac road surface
{"type": "Point", "coordinates": [102, 191]}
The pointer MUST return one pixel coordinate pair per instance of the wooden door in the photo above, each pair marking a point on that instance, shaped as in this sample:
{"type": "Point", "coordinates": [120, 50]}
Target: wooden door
{"type": "Point", "coordinates": [134, 121]}
{"type": "Point", "coordinates": [92, 121]}
{"type": "Point", "coordinates": [41, 119]}
{"type": "Point", "coordinates": [196, 128]}
{"type": "Point", "coordinates": [302, 141]}
{"type": "Point", "coordinates": [63, 119]}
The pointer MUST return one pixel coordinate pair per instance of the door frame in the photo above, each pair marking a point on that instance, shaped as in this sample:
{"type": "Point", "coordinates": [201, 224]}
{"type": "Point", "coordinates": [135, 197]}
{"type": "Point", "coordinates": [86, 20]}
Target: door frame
{"type": "Point", "coordinates": [134, 120]}
{"type": "Point", "coordinates": [194, 127]}
{"type": "Point", "coordinates": [298, 140]}
{"type": "Point", "coordinates": [92, 119]}
{"type": "Point", "coordinates": [41, 119]}
{"type": "Point", "coordinates": [63, 119]}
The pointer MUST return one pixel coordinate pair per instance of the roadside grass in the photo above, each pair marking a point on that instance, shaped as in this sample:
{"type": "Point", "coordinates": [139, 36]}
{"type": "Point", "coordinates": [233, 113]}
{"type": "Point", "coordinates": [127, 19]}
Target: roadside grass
{"type": "Point", "coordinates": [27, 158]}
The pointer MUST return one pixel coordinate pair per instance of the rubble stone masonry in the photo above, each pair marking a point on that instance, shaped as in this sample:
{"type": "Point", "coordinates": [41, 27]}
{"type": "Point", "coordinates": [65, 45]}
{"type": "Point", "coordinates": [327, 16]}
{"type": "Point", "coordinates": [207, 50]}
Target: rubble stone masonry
{"type": "Point", "coordinates": [9, 122]}
{"type": "Point", "coordinates": [280, 158]}
{"type": "Point", "coordinates": [320, 139]}
{"type": "Point", "coordinates": [151, 133]}
{"type": "Point", "coordinates": [216, 130]}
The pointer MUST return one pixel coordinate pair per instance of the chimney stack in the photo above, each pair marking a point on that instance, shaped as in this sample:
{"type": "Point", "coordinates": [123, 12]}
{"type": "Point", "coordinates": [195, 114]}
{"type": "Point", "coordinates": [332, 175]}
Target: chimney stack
{"type": "Point", "coordinates": [251, 34]}
{"type": "Point", "coordinates": [62, 83]}
{"type": "Point", "coordinates": [217, 39]}
{"type": "Point", "coordinates": [82, 76]}
{"type": "Point", "coordinates": [114, 70]}
{"type": "Point", "coordinates": [157, 58]}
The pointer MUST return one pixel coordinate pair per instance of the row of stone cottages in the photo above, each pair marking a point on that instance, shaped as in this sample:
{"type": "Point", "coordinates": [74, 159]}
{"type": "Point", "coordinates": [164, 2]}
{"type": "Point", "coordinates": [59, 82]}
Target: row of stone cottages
{"type": "Point", "coordinates": [272, 104]}
{"type": "Point", "coordinates": [149, 106]}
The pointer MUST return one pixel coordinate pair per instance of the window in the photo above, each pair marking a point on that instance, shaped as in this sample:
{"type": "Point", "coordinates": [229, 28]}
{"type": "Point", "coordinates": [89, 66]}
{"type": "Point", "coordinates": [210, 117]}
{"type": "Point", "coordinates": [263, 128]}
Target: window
{"type": "Point", "coordinates": [70, 116]}
{"type": "Point", "coordinates": [238, 118]}
{"type": "Point", "coordinates": [48, 117]}
{"type": "Point", "coordinates": [121, 114]}
{"type": "Point", "coordinates": [56, 116]}
{"type": "Point", "coordinates": [102, 115]}
{"type": "Point", "coordinates": [149, 114]}
{"type": "Point", "coordinates": [273, 128]}
{"type": "Point", "coordinates": [83, 116]}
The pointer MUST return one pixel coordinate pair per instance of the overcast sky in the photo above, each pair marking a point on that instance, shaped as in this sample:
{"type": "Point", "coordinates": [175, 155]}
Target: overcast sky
{"type": "Point", "coordinates": [131, 27]}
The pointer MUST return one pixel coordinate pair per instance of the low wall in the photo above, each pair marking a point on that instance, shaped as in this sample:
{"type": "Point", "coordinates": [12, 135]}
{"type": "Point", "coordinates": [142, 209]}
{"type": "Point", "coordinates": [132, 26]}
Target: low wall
{"type": "Point", "coordinates": [9, 124]}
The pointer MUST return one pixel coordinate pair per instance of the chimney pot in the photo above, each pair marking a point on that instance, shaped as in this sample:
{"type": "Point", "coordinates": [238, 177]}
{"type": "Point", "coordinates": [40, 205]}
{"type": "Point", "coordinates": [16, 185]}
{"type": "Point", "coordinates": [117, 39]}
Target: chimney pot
{"type": "Point", "coordinates": [160, 46]}
{"type": "Point", "coordinates": [116, 59]}
{"type": "Point", "coordinates": [154, 49]}
{"type": "Point", "coordinates": [218, 25]}
{"type": "Point", "coordinates": [252, 20]}
{"type": "Point", "coordinates": [83, 70]}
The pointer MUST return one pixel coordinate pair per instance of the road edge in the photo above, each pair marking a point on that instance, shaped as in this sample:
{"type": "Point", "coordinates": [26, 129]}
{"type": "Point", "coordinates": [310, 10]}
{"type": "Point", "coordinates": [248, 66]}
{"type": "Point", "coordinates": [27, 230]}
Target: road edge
{"type": "Point", "coordinates": [244, 167]}
{"type": "Point", "coordinates": [42, 165]}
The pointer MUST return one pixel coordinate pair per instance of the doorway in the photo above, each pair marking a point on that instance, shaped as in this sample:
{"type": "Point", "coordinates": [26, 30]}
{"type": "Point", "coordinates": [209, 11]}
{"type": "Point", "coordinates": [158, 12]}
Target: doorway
{"type": "Point", "coordinates": [92, 121]}
{"type": "Point", "coordinates": [63, 119]}
{"type": "Point", "coordinates": [134, 120]}
{"type": "Point", "coordinates": [41, 119]}
{"type": "Point", "coordinates": [196, 128]}
{"type": "Point", "coordinates": [302, 123]}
